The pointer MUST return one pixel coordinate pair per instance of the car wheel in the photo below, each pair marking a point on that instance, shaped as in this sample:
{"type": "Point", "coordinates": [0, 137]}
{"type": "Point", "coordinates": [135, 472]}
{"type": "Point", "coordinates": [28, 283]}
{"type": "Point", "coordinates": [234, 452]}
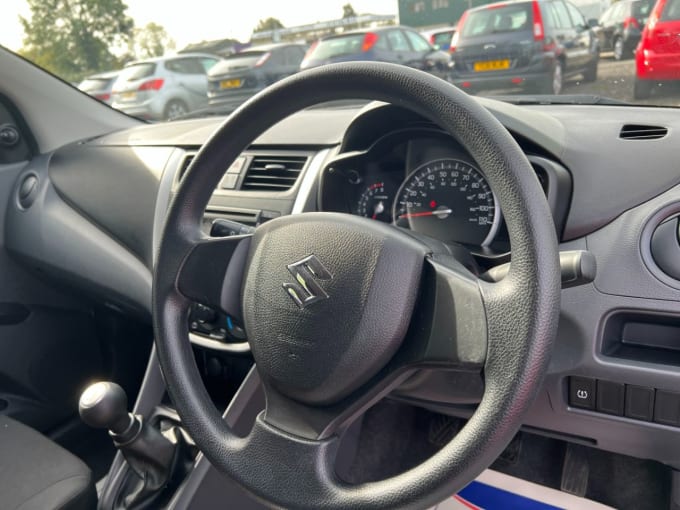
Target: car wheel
{"type": "Point", "coordinates": [618, 49]}
{"type": "Point", "coordinates": [590, 74]}
{"type": "Point", "coordinates": [553, 83]}
{"type": "Point", "coordinates": [642, 89]}
{"type": "Point", "coordinates": [174, 109]}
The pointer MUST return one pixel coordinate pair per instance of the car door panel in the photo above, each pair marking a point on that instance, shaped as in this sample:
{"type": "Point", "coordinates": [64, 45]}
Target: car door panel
{"type": "Point", "coordinates": [48, 341]}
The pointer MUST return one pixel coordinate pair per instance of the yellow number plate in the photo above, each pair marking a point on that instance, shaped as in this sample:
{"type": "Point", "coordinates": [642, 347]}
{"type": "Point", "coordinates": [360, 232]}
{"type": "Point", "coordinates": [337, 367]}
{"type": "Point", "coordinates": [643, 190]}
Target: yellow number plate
{"type": "Point", "coordinates": [492, 65]}
{"type": "Point", "coordinates": [129, 96]}
{"type": "Point", "coordinates": [230, 84]}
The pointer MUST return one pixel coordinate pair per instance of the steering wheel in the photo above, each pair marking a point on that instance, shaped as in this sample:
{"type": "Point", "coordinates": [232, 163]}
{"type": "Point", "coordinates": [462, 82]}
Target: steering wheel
{"type": "Point", "coordinates": [340, 310]}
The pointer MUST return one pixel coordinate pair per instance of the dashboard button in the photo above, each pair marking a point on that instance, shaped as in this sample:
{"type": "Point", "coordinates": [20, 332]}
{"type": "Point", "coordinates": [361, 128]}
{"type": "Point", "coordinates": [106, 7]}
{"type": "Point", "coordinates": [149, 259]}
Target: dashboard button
{"type": "Point", "coordinates": [582, 392]}
{"type": "Point", "coordinates": [639, 402]}
{"type": "Point", "coordinates": [610, 397]}
{"type": "Point", "coordinates": [667, 408]}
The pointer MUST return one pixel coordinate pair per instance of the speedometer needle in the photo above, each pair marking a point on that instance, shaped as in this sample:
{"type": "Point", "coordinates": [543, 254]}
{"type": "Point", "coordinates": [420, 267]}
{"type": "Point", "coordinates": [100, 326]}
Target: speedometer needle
{"type": "Point", "coordinates": [438, 212]}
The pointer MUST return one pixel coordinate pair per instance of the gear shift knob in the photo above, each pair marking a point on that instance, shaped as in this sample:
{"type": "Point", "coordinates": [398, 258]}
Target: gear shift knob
{"type": "Point", "coordinates": [103, 405]}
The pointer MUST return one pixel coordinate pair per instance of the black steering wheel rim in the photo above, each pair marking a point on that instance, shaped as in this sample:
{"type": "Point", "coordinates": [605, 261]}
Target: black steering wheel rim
{"type": "Point", "coordinates": [521, 311]}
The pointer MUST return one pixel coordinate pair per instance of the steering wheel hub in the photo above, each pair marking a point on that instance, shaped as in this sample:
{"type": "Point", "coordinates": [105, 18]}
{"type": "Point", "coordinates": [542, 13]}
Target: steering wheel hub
{"type": "Point", "coordinates": [327, 295]}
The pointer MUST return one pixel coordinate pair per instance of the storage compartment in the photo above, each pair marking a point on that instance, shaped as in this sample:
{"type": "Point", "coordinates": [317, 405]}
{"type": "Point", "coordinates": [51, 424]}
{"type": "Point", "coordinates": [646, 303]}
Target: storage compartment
{"type": "Point", "coordinates": [643, 336]}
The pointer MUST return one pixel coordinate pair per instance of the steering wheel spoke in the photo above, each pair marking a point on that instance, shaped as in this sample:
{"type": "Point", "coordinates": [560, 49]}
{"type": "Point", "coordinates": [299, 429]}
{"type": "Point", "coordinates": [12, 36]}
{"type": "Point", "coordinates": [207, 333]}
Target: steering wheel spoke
{"type": "Point", "coordinates": [212, 272]}
{"type": "Point", "coordinates": [449, 325]}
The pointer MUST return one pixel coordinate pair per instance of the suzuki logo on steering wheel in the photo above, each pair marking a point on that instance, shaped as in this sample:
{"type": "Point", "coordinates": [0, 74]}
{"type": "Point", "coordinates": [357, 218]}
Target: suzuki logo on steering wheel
{"type": "Point", "coordinates": [306, 291]}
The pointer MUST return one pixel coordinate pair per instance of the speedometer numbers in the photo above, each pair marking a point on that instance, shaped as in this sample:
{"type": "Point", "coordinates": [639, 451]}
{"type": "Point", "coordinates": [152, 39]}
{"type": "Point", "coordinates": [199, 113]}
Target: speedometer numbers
{"type": "Point", "coordinates": [375, 202]}
{"type": "Point", "coordinates": [449, 200]}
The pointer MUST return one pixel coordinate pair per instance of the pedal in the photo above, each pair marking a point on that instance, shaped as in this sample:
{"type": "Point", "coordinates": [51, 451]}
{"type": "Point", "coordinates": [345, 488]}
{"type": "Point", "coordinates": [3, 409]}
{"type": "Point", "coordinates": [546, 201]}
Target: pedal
{"type": "Point", "coordinates": [575, 470]}
{"type": "Point", "coordinates": [442, 429]}
{"type": "Point", "coordinates": [512, 452]}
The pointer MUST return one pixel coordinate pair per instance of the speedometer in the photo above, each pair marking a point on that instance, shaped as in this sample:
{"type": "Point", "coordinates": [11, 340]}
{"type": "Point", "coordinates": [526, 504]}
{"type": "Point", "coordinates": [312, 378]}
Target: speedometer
{"type": "Point", "coordinates": [450, 200]}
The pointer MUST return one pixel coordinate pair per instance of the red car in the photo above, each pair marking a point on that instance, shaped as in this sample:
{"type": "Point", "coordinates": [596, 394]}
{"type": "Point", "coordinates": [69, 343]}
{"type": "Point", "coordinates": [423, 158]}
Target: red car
{"type": "Point", "coordinates": [657, 57]}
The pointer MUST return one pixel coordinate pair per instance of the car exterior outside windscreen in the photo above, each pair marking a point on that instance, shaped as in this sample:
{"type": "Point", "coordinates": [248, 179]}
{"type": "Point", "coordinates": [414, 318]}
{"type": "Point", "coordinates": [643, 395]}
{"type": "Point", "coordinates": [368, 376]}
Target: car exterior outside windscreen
{"type": "Point", "coordinates": [395, 44]}
{"type": "Point", "coordinates": [100, 85]}
{"type": "Point", "coordinates": [657, 57]}
{"type": "Point", "coordinates": [241, 75]}
{"type": "Point", "coordinates": [163, 88]}
{"type": "Point", "coordinates": [620, 27]}
{"type": "Point", "coordinates": [529, 45]}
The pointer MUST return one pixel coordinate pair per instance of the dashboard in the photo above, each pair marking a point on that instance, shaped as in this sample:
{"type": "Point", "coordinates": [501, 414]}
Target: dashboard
{"type": "Point", "coordinates": [423, 180]}
{"type": "Point", "coordinates": [107, 198]}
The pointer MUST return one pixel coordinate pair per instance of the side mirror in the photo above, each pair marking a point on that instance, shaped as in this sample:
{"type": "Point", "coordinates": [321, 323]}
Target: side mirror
{"type": "Point", "coordinates": [592, 23]}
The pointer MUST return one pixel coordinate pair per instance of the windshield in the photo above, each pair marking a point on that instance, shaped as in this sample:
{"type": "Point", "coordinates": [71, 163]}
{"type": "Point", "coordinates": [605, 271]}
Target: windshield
{"type": "Point", "coordinates": [243, 60]}
{"type": "Point", "coordinates": [493, 21]}
{"type": "Point", "coordinates": [137, 72]}
{"type": "Point", "coordinates": [337, 46]}
{"type": "Point", "coordinates": [160, 64]}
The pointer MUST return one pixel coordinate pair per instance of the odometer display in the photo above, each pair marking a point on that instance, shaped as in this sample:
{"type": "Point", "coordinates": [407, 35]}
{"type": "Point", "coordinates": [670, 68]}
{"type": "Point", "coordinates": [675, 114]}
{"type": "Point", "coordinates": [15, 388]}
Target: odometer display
{"type": "Point", "coordinates": [449, 200]}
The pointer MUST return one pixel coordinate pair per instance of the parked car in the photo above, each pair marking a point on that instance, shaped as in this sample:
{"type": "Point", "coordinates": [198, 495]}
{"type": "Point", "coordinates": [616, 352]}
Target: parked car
{"type": "Point", "coordinates": [532, 45]}
{"type": "Point", "coordinates": [396, 44]}
{"type": "Point", "coordinates": [657, 57]}
{"type": "Point", "coordinates": [440, 38]}
{"type": "Point", "coordinates": [99, 85]}
{"type": "Point", "coordinates": [165, 87]}
{"type": "Point", "coordinates": [620, 27]}
{"type": "Point", "coordinates": [241, 75]}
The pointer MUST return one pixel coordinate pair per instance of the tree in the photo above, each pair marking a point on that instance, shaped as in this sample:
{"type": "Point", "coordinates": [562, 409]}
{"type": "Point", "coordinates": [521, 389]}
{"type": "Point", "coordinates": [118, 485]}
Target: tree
{"type": "Point", "coordinates": [150, 41]}
{"type": "Point", "coordinates": [348, 11]}
{"type": "Point", "coordinates": [268, 24]}
{"type": "Point", "coordinates": [73, 38]}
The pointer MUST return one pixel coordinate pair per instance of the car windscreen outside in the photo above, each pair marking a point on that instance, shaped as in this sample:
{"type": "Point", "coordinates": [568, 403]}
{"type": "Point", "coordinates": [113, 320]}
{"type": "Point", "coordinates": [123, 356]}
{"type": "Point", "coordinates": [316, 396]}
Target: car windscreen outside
{"type": "Point", "coordinates": [244, 60]}
{"type": "Point", "coordinates": [510, 18]}
{"type": "Point", "coordinates": [442, 39]}
{"type": "Point", "coordinates": [137, 71]}
{"type": "Point", "coordinates": [91, 84]}
{"type": "Point", "coordinates": [334, 46]}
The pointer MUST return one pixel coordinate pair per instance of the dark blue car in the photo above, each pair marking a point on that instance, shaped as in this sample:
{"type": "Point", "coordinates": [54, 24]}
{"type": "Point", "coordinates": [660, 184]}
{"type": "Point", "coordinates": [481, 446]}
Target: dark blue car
{"type": "Point", "coordinates": [399, 45]}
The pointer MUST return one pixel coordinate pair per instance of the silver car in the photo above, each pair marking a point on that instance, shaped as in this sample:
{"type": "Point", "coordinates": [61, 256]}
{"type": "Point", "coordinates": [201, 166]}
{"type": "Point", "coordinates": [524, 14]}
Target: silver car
{"type": "Point", "coordinates": [163, 88]}
{"type": "Point", "coordinates": [99, 85]}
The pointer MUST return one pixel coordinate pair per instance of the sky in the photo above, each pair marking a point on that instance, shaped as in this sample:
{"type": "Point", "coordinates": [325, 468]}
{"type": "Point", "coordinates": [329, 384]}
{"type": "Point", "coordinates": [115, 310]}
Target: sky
{"type": "Point", "coordinates": [198, 20]}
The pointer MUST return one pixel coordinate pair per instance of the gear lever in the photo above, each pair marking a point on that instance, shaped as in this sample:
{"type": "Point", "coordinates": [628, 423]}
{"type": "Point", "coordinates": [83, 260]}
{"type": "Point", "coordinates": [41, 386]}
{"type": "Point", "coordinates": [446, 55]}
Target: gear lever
{"type": "Point", "coordinates": [151, 456]}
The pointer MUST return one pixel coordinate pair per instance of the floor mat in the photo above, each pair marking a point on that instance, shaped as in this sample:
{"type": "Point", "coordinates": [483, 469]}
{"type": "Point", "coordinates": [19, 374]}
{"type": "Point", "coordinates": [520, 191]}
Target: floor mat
{"type": "Point", "coordinates": [495, 491]}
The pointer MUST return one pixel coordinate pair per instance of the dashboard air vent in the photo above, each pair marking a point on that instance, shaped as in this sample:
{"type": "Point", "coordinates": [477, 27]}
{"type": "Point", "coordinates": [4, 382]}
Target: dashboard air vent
{"type": "Point", "coordinates": [185, 165]}
{"type": "Point", "coordinates": [642, 132]}
{"type": "Point", "coordinates": [273, 173]}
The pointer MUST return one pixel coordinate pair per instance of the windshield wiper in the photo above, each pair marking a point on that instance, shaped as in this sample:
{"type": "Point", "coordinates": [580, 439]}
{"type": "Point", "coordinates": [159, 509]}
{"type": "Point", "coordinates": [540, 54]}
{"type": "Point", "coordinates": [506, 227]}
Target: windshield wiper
{"type": "Point", "coordinates": [579, 99]}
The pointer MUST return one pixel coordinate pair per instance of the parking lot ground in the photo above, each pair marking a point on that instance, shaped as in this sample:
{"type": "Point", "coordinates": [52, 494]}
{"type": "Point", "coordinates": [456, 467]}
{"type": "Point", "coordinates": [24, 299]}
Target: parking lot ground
{"type": "Point", "coordinates": [615, 80]}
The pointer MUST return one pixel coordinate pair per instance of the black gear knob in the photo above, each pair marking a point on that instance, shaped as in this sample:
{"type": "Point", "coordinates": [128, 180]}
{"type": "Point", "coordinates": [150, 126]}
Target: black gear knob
{"type": "Point", "coordinates": [103, 405]}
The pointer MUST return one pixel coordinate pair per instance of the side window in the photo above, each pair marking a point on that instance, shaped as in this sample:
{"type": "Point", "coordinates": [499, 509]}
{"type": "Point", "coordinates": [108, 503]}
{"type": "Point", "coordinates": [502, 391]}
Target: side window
{"type": "Point", "coordinates": [397, 40]}
{"type": "Point", "coordinates": [276, 58]}
{"type": "Point", "coordinates": [671, 11]}
{"type": "Point", "coordinates": [185, 66]}
{"type": "Point", "coordinates": [561, 15]}
{"type": "Point", "coordinates": [381, 43]}
{"type": "Point", "coordinates": [620, 11]}
{"type": "Point", "coordinates": [417, 42]}
{"type": "Point", "coordinates": [576, 16]}
{"type": "Point", "coordinates": [607, 15]}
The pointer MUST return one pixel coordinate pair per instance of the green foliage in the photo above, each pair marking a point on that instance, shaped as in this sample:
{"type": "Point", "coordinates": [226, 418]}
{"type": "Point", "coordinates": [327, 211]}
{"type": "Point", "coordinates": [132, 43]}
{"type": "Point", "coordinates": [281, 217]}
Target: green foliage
{"type": "Point", "coordinates": [151, 41]}
{"type": "Point", "coordinates": [268, 24]}
{"type": "Point", "coordinates": [73, 38]}
{"type": "Point", "coordinates": [348, 11]}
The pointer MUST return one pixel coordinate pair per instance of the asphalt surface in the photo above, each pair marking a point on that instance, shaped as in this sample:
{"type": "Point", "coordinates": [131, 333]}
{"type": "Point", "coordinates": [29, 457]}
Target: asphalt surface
{"type": "Point", "coordinates": [615, 80]}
